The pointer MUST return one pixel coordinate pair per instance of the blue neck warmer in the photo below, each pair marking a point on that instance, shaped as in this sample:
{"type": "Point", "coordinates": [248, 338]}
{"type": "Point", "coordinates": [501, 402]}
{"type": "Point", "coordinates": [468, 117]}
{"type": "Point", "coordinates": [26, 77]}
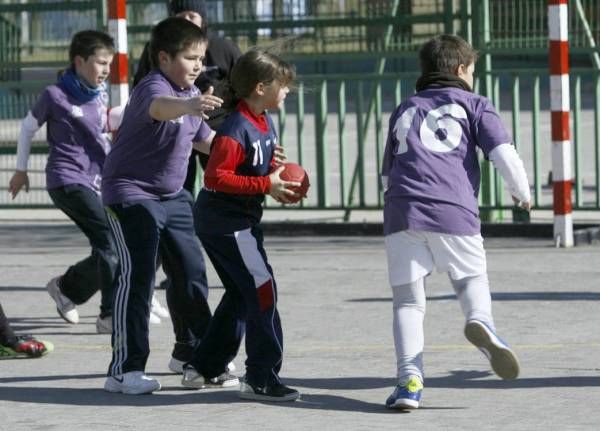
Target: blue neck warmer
{"type": "Point", "coordinates": [77, 88]}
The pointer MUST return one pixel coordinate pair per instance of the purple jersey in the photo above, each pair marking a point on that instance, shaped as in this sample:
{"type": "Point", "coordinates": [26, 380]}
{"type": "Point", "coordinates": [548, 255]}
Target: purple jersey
{"type": "Point", "coordinates": [75, 134]}
{"type": "Point", "coordinates": [149, 158]}
{"type": "Point", "coordinates": [430, 162]}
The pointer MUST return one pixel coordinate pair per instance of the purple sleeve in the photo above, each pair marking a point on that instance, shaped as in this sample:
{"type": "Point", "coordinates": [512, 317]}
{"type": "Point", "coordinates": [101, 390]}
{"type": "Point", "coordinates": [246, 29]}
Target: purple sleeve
{"type": "Point", "coordinates": [489, 129]}
{"type": "Point", "coordinates": [203, 133]}
{"type": "Point", "coordinates": [143, 96]}
{"type": "Point", "coordinates": [43, 107]}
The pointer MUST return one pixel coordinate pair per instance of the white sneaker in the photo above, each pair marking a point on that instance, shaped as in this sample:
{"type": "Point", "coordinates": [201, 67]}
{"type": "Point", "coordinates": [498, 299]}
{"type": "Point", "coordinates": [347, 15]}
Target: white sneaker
{"type": "Point", "coordinates": [176, 366]}
{"type": "Point", "coordinates": [158, 309]}
{"type": "Point", "coordinates": [154, 319]}
{"type": "Point", "coordinates": [193, 380]}
{"type": "Point", "coordinates": [66, 309]}
{"type": "Point", "coordinates": [132, 383]}
{"type": "Point", "coordinates": [104, 325]}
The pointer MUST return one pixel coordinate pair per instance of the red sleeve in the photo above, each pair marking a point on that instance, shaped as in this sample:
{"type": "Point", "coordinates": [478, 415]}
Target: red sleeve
{"type": "Point", "coordinates": [226, 154]}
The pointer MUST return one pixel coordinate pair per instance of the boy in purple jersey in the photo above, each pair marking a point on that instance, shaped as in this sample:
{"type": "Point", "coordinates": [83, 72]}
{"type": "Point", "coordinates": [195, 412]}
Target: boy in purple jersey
{"type": "Point", "coordinates": [431, 218]}
{"type": "Point", "coordinates": [74, 110]}
{"type": "Point", "coordinates": [242, 168]}
{"type": "Point", "coordinates": [142, 189]}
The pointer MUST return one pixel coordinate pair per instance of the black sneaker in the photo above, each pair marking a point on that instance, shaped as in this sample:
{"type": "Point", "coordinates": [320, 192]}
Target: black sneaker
{"type": "Point", "coordinates": [277, 392]}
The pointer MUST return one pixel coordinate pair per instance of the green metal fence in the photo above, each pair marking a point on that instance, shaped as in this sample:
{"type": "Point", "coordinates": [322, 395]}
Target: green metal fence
{"type": "Point", "coordinates": [335, 124]}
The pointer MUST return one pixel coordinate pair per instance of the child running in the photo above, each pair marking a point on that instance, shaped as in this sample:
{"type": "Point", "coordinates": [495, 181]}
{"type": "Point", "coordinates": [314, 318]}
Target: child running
{"type": "Point", "coordinates": [242, 168]}
{"type": "Point", "coordinates": [431, 216]}
{"type": "Point", "coordinates": [147, 206]}
{"type": "Point", "coordinates": [74, 110]}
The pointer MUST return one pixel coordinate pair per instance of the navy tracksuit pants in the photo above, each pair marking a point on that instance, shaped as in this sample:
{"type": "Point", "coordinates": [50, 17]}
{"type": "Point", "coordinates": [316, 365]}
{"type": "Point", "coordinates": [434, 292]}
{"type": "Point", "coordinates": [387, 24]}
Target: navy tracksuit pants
{"type": "Point", "coordinates": [249, 304]}
{"type": "Point", "coordinates": [141, 228]}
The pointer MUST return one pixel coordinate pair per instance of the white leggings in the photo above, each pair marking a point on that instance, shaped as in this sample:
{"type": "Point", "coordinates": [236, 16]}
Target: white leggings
{"type": "Point", "coordinates": [409, 311]}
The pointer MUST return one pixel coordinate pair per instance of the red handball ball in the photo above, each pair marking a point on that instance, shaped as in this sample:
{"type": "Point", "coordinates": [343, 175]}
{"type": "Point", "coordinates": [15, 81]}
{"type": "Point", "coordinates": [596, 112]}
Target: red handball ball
{"type": "Point", "coordinates": [295, 172]}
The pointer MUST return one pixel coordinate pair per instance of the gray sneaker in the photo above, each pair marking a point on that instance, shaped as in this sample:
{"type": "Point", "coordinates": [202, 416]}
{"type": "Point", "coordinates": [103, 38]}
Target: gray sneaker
{"type": "Point", "coordinates": [503, 360]}
{"type": "Point", "coordinates": [66, 309]}
{"type": "Point", "coordinates": [176, 366]}
{"type": "Point", "coordinates": [104, 325]}
{"type": "Point", "coordinates": [194, 380]}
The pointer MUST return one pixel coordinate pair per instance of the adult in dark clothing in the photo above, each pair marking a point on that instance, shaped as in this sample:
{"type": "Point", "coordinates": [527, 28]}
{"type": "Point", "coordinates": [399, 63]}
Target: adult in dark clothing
{"type": "Point", "coordinates": [221, 55]}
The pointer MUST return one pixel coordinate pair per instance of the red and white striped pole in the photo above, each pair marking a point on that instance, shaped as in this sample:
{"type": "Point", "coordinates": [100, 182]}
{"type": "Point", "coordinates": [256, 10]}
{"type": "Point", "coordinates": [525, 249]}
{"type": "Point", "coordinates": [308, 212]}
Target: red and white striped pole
{"type": "Point", "coordinates": [117, 28]}
{"type": "Point", "coordinates": [560, 106]}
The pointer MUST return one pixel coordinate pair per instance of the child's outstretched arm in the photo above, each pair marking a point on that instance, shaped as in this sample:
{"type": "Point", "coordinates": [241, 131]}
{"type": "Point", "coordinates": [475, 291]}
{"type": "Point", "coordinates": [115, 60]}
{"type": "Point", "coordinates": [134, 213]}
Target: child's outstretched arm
{"type": "Point", "coordinates": [20, 179]}
{"type": "Point", "coordinates": [166, 108]}
{"type": "Point", "coordinates": [505, 158]}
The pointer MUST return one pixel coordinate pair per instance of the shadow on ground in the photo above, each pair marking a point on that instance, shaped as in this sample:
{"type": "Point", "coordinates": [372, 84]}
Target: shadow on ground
{"type": "Point", "coordinates": [509, 296]}
{"type": "Point", "coordinates": [176, 396]}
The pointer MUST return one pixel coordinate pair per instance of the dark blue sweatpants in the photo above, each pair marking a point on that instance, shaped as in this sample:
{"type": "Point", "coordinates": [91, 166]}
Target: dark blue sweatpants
{"type": "Point", "coordinates": [98, 271]}
{"type": "Point", "coordinates": [249, 303]}
{"type": "Point", "coordinates": [140, 228]}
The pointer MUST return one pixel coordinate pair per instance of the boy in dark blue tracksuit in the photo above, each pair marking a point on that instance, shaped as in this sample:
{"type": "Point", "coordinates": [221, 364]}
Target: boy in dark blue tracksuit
{"type": "Point", "coordinates": [228, 212]}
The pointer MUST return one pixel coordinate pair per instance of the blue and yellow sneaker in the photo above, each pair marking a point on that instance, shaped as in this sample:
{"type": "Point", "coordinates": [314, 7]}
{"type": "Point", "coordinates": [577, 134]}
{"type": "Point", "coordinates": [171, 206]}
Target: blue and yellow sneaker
{"type": "Point", "coordinates": [406, 396]}
{"type": "Point", "coordinates": [503, 360]}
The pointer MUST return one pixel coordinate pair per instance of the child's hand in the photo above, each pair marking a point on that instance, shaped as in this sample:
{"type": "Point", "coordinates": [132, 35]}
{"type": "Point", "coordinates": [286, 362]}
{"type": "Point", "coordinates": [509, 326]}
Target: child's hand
{"type": "Point", "coordinates": [280, 188]}
{"type": "Point", "coordinates": [279, 157]}
{"type": "Point", "coordinates": [525, 205]}
{"type": "Point", "coordinates": [206, 102]}
{"type": "Point", "coordinates": [18, 180]}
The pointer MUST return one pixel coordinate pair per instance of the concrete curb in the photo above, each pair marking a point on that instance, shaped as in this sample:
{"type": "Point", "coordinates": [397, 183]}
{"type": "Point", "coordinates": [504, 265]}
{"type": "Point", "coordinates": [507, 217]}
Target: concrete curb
{"type": "Point", "coordinates": [587, 235]}
{"type": "Point", "coordinates": [584, 232]}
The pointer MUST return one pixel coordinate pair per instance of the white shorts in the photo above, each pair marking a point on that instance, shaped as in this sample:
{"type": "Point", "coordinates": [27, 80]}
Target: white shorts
{"type": "Point", "coordinates": [413, 254]}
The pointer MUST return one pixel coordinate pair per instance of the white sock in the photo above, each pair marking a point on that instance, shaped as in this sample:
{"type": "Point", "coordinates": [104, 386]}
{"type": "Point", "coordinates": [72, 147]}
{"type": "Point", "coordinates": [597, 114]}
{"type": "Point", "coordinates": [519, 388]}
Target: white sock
{"type": "Point", "coordinates": [475, 300]}
{"type": "Point", "coordinates": [409, 313]}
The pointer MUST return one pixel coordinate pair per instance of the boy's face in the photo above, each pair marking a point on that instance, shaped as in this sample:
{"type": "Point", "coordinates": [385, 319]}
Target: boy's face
{"type": "Point", "coordinates": [95, 69]}
{"type": "Point", "coordinates": [191, 16]}
{"type": "Point", "coordinates": [466, 73]}
{"type": "Point", "coordinates": [184, 68]}
{"type": "Point", "coordinates": [274, 94]}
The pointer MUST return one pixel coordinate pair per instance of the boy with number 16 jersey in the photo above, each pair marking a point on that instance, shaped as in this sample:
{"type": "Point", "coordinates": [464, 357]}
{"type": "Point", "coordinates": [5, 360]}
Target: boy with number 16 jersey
{"type": "Point", "coordinates": [431, 218]}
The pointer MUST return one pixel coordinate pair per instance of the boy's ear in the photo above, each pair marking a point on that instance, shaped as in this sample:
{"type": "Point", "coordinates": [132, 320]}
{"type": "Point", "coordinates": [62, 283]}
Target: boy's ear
{"type": "Point", "coordinates": [461, 70]}
{"type": "Point", "coordinates": [78, 61]}
{"type": "Point", "coordinates": [163, 57]}
{"type": "Point", "coordinates": [260, 88]}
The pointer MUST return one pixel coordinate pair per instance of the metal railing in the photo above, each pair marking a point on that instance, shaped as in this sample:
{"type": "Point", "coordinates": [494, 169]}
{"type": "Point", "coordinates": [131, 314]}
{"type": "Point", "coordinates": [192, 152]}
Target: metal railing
{"type": "Point", "coordinates": [323, 128]}
{"type": "Point", "coordinates": [335, 124]}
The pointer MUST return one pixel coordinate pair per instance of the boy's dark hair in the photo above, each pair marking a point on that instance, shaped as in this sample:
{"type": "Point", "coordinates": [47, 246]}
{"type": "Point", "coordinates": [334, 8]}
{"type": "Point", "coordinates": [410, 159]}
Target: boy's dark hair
{"type": "Point", "coordinates": [259, 66]}
{"type": "Point", "coordinates": [86, 42]}
{"type": "Point", "coordinates": [173, 35]}
{"type": "Point", "coordinates": [445, 53]}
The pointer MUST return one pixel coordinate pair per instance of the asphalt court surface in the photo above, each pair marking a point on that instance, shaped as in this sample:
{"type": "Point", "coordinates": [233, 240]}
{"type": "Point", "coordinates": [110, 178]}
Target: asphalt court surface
{"type": "Point", "coordinates": [335, 305]}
